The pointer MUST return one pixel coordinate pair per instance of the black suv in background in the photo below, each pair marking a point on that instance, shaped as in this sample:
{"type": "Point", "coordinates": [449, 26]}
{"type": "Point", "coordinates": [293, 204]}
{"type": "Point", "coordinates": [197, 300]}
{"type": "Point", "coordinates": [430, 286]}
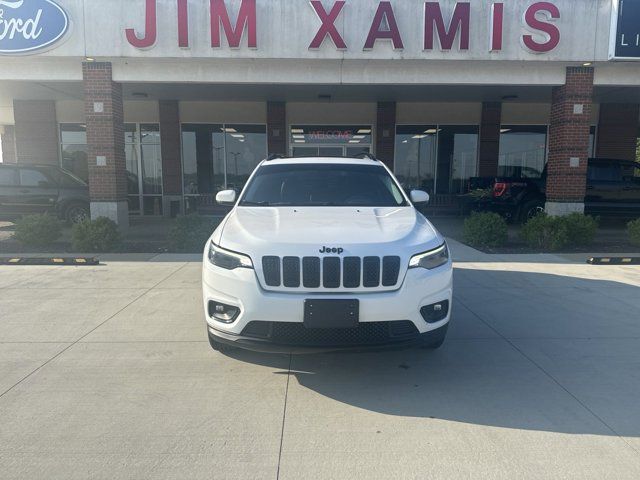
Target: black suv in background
{"type": "Point", "coordinates": [26, 190]}
{"type": "Point", "coordinates": [613, 190]}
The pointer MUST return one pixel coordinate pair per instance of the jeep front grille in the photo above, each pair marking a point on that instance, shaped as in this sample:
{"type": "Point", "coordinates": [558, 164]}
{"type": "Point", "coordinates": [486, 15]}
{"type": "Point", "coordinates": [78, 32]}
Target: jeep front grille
{"type": "Point", "coordinates": [271, 268]}
{"type": "Point", "coordinates": [331, 272]}
{"type": "Point", "coordinates": [291, 272]}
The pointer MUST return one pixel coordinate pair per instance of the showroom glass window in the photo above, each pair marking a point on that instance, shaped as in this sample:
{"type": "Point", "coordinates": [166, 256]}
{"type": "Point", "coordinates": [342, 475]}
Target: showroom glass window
{"type": "Point", "coordinates": [144, 168]}
{"type": "Point", "coordinates": [74, 149]}
{"type": "Point", "coordinates": [202, 158]}
{"type": "Point", "coordinates": [457, 158]}
{"type": "Point", "coordinates": [636, 172]}
{"type": "Point", "coordinates": [245, 148]}
{"type": "Point", "coordinates": [523, 151]}
{"type": "Point", "coordinates": [415, 156]}
{"type": "Point", "coordinates": [439, 159]}
{"type": "Point", "coordinates": [219, 156]}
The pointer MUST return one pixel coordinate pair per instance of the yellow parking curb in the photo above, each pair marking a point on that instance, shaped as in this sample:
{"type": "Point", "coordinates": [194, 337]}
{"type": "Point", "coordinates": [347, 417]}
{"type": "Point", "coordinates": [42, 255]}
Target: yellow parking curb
{"type": "Point", "coordinates": [62, 261]}
{"type": "Point", "coordinates": [614, 261]}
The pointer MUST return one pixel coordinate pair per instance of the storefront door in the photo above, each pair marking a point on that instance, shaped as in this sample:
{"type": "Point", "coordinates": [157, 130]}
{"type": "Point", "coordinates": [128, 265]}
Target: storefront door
{"type": "Point", "coordinates": [144, 168]}
{"type": "Point", "coordinates": [330, 141]}
{"type": "Point", "coordinates": [325, 151]}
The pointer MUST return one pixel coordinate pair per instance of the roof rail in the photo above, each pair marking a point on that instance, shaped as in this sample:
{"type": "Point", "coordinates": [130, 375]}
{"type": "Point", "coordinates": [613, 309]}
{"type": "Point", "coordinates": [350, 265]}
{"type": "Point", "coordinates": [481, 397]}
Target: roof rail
{"type": "Point", "coordinates": [275, 156]}
{"type": "Point", "coordinates": [367, 155]}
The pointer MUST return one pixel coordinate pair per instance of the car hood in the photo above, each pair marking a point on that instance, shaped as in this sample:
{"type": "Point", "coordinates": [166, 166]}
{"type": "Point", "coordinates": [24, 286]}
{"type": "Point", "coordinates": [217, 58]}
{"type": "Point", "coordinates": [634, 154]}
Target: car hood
{"type": "Point", "coordinates": [303, 231]}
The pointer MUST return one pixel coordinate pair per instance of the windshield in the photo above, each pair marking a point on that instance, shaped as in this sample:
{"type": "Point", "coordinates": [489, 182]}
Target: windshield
{"type": "Point", "coordinates": [67, 179]}
{"type": "Point", "coordinates": [316, 185]}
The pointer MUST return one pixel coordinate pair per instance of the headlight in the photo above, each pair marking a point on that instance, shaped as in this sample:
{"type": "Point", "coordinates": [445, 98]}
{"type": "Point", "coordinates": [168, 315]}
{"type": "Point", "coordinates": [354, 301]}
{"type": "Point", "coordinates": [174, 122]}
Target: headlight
{"type": "Point", "coordinates": [229, 260]}
{"type": "Point", "coordinates": [430, 260]}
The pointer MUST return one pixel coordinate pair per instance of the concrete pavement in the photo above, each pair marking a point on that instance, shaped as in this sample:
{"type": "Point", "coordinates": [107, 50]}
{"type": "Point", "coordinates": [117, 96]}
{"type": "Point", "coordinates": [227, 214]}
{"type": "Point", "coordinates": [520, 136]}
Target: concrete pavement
{"type": "Point", "coordinates": [105, 372]}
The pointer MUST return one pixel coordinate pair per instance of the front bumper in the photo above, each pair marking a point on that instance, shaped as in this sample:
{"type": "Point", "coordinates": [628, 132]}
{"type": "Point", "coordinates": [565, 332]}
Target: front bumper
{"type": "Point", "coordinates": [386, 318]}
{"type": "Point", "coordinates": [266, 346]}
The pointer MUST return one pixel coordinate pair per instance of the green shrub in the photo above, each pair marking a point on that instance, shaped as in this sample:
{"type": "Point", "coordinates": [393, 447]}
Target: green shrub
{"type": "Point", "coordinates": [38, 230]}
{"type": "Point", "coordinates": [581, 229]}
{"type": "Point", "coordinates": [100, 235]}
{"type": "Point", "coordinates": [545, 232]}
{"type": "Point", "coordinates": [634, 232]}
{"type": "Point", "coordinates": [485, 230]}
{"type": "Point", "coordinates": [190, 233]}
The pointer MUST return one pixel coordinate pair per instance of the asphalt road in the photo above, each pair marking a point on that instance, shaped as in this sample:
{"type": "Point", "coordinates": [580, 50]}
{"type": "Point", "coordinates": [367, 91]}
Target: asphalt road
{"type": "Point", "coordinates": [106, 373]}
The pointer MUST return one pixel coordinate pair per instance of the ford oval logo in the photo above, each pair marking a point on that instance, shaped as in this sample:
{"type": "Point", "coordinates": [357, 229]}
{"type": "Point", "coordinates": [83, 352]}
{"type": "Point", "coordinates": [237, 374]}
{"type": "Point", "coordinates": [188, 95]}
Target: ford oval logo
{"type": "Point", "coordinates": [30, 25]}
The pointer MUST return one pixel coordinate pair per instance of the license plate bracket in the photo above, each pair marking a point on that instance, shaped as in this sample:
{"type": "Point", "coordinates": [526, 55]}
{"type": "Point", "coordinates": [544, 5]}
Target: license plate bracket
{"type": "Point", "coordinates": [331, 313]}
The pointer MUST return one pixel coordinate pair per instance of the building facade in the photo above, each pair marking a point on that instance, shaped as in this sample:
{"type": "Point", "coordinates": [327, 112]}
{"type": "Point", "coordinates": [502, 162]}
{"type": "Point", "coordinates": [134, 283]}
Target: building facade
{"type": "Point", "coordinates": [159, 104]}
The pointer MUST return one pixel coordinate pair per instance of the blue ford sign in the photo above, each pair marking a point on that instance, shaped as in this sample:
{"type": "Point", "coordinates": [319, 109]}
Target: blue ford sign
{"type": "Point", "coordinates": [30, 25]}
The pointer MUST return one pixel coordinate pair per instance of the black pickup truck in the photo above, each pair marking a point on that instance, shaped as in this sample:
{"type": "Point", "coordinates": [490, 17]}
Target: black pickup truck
{"type": "Point", "coordinates": [613, 189]}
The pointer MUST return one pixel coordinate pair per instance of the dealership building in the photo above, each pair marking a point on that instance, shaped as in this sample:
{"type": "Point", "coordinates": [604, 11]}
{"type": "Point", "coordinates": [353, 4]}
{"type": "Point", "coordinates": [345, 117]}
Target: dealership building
{"type": "Point", "coordinates": [159, 104]}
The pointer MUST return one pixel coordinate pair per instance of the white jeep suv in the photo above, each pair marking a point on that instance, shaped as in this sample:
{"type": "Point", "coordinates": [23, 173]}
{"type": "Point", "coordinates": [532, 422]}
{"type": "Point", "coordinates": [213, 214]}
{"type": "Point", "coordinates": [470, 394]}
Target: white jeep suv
{"type": "Point", "coordinates": [325, 253]}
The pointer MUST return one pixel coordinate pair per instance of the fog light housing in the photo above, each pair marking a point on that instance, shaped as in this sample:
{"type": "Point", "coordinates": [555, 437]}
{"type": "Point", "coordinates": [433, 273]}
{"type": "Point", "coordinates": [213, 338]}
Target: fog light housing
{"type": "Point", "coordinates": [436, 312]}
{"type": "Point", "coordinates": [222, 312]}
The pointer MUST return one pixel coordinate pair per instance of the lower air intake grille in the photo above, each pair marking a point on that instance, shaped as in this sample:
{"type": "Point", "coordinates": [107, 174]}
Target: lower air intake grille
{"type": "Point", "coordinates": [365, 334]}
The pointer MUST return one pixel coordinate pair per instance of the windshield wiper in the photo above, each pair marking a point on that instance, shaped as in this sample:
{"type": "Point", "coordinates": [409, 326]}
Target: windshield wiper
{"type": "Point", "coordinates": [248, 203]}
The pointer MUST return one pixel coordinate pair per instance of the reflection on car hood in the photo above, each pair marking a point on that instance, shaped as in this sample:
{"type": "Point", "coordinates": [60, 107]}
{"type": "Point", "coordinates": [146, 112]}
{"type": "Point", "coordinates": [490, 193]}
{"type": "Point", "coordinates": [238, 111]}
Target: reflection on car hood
{"type": "Point", "coordinates": [304, 230]}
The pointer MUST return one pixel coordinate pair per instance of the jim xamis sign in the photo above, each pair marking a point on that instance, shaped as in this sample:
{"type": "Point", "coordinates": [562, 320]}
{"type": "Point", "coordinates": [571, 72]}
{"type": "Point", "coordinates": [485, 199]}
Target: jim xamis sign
{"type": "Point", "coordinates": [625, 30]}
{"type": "Point", "coordinates": [30, 25]}
{"type": "Point", "coordinates": [539, 17]}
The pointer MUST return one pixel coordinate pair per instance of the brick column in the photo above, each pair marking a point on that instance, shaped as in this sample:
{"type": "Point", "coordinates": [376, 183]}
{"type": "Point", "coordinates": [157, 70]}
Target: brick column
{"type": "Point", "coordinates": [618, 131]}
{"type": "Point", "coordinates": [277, 128]}
{"type": "Point", "coordinates": [105, 137]}
{"type": "Point", "coordinates": [490, 124]}
{"type": "Point", "coordinates": [36, 132]}
{"type": "Point", "coordinates": [386, 133]}
{"type": "Point", "coordinates": [569, 142]}
{"type": "Point", "coordinates": [9, 144]}
{"type": "Point", "coordinates": [171, 146]}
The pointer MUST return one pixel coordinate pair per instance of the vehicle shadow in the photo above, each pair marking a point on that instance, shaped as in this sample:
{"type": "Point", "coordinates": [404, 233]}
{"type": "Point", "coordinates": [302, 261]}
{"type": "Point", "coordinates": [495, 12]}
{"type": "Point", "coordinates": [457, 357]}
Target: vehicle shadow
{"type": "Point", "coordinates": [532, 351]}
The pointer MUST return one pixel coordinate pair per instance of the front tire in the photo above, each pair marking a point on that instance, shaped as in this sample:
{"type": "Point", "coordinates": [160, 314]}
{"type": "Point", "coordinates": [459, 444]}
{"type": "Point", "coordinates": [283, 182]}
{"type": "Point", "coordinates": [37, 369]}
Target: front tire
{"type": "Point", "coordinates": [530, 210]}
{"type": "Point", "coordinates": [76, 213]}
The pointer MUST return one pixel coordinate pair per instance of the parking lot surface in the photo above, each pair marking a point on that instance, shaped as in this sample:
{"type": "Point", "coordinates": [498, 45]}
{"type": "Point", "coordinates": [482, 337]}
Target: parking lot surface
{"type": "Point", "coordinates": [106, 373]}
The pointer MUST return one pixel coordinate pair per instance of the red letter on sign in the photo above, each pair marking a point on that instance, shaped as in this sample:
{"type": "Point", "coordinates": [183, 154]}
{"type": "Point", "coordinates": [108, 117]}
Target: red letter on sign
{"type": "Point", "coordinates": [548, 28]}
{"type": "Point", "coordinates": [150, 29]}
{"type": "Point", "coordinates": [459, 21]}
{"type": "Point", "coordinates": [246, 20]}
{"type": "Point", "coordinates": [497, 22]}
{"type": "Point", "coordinates": [328, 25]}
{"type": "Point", "coordinates": [183, 23]}
{"type": "Point", "coordinates": [385, 11]}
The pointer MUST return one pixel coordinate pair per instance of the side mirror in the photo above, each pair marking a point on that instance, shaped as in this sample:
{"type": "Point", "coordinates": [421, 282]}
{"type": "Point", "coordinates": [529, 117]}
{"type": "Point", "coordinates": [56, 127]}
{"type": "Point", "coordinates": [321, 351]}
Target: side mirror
{"type": "Point", "coordinates": [418, 197]}
{"type": "Point", "coordinates": [226, 198]}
